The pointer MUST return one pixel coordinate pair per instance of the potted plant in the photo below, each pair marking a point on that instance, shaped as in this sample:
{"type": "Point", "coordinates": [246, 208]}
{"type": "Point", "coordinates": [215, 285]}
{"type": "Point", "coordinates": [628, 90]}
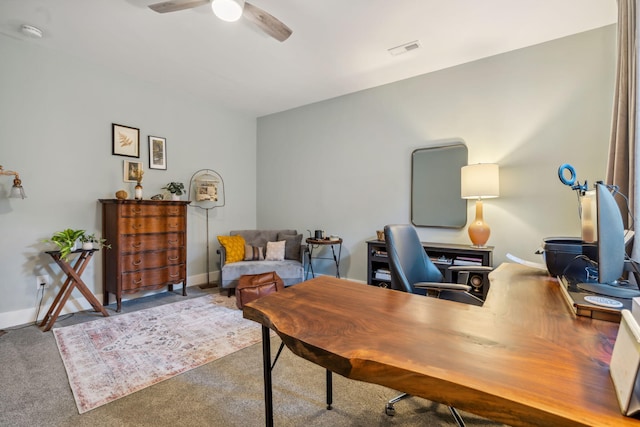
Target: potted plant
{"type": "Point", "coordinates": [175, 188]}
{"type": "Point", "coordinates": [66, 241]}
{"type": "Point", "coordinates": [90, 241]}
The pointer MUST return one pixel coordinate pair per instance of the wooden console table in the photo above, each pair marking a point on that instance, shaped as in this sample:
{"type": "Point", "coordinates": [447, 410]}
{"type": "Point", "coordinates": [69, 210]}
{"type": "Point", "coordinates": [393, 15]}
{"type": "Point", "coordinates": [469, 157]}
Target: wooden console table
{"type": "Point", "coordinates": [523, 358]}
{"type": "Point", "coordinates": [72, 282]}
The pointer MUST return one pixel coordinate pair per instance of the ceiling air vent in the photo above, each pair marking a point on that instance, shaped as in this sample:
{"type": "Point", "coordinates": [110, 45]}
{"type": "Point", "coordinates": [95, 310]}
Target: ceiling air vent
{"type": "Point", "coordinates": [404, 48]}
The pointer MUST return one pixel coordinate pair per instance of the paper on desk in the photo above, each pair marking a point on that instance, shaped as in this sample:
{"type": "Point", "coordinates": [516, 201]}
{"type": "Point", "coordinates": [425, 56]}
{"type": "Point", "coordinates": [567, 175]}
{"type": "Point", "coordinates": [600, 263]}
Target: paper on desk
{"type": "Point", "coordinates": [527, 263]}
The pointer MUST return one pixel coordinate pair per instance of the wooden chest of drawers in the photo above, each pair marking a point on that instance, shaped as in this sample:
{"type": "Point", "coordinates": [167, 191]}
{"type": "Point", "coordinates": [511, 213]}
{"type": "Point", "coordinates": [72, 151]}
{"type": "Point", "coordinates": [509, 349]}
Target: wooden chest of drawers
{"type": "Point", "coordinates": [148, 246]}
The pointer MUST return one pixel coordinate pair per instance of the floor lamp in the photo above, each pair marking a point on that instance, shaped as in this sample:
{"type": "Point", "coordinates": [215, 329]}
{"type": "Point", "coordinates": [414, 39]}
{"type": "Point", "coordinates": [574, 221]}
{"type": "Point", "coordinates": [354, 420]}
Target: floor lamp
{"type": "Point", "coordinates": [206, 191]}
{"type": "Point", "coordinates": [480, 181]}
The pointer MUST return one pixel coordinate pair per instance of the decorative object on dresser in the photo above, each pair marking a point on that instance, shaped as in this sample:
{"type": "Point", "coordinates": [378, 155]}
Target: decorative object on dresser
{"type": "Point", "coordinates": [149, 246]}
{"type": "Point", "coordinates": [207, 194]}
{"type": "Point", "coordinates": [443, 255]}
{"type": "Point", "coordinates": [176, 189]}
{"type": "Point", "coordinates": [237, 255]}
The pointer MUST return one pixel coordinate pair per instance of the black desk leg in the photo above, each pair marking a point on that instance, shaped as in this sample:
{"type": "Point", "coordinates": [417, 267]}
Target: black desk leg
{"type": "Point", "coordinates": [329, 389]}
{"type": "Point", "coordinates": [266, 366]}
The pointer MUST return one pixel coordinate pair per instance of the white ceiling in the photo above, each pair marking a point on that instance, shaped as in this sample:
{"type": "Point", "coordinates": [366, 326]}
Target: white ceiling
{"type": "Point", "coordinates": [337, 46]}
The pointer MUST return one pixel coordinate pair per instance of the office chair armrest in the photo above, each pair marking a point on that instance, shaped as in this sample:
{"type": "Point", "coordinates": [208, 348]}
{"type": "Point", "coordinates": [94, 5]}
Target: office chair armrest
{"type": "Point", "coordinates": [471, 268]}
{"type": "Point", "coordinates": [439, 286]}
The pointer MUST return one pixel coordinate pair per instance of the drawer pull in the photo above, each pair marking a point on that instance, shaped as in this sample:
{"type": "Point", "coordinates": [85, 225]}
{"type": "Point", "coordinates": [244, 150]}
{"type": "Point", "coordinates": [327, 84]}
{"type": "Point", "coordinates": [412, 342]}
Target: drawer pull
{"type": "Point", "coordinates": [173, 242]}
{"type": "Point", "coordinates": [136, 245]}
{"type": "Point", "coordinates": [137, 282]}
{"type": "Point", "coordinates": [137, 262]}
{"type": "Point", "coordinates": [136, 226]}
{"type": "Point", "coordinates": [175, 258]}
{"type": "Point", "coordinates": [136, 210]}
{"type": "Point", "coordinates": [174, 275]}
{"type": "Point", "coordinates": [174, 211]}
{"type": "Point", "coordinates": [173, 225]}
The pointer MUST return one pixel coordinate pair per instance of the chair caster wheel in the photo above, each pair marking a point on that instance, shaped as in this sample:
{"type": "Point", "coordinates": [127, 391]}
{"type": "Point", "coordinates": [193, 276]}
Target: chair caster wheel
{"type": "Point", "coordinates": [389, 410]}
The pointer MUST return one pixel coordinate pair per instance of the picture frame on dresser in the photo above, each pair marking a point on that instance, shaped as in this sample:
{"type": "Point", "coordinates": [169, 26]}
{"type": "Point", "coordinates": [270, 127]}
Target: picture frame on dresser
{"type": "Point", "coordinates": [157, 152]}
{"type": "Point", "coordinates": [125, 141]}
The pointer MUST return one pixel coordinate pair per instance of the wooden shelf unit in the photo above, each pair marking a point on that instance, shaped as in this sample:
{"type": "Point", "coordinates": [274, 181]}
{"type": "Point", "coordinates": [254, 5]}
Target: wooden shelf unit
{"type": "Point", "coordinates": [443, 255]}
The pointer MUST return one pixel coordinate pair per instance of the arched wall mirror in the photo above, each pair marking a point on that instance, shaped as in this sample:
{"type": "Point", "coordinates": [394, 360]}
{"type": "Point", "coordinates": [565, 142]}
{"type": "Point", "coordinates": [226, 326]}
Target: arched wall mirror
{"type": "Point", "coordinates": [435, 185]}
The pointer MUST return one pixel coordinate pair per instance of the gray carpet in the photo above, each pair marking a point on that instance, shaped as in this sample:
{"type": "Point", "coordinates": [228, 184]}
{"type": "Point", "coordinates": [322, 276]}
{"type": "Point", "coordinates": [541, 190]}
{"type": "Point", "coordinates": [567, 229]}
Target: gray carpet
{"type": "Point", "coordinates": [226, 392]}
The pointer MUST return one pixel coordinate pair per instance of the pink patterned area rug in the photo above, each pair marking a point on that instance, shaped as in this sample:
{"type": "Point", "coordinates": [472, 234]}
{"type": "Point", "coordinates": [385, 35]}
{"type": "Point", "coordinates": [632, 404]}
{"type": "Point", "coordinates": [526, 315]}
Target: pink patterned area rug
{"type": "Point", "coordinates": [111, 357]}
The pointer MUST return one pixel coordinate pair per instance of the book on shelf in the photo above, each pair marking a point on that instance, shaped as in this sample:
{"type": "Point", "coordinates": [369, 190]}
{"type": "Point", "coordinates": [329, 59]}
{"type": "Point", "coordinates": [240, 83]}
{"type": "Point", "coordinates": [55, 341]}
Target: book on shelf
{"type": "Point", "coordinates": [441, 260]}
{"type": "Point", "coordinates": [378, 252]}
{"type": "Point", "coordinates": [461, 260]}
{"type": "Point", "coordinates": [383, 273]}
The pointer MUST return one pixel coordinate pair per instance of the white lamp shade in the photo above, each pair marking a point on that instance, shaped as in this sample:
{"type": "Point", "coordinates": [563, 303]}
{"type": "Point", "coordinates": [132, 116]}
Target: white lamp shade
{"type": "Point", "coordinates": [480, 181]}
{"type": "Point", "coordinates": [17, 192]}
{"type": "Point", "coordinates": [228, 10]}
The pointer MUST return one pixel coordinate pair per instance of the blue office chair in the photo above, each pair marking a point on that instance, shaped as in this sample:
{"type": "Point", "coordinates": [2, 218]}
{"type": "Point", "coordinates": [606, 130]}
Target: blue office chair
{"type": "Point", "coordinates": [412, 271]}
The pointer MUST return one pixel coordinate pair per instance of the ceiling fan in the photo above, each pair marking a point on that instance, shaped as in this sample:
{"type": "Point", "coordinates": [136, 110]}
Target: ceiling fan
{"type": "Point", "coordinates": [231, 10]}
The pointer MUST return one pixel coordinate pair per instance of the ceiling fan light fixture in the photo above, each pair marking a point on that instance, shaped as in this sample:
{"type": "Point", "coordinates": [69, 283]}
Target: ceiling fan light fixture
{"type": "Point", "coordinates": [228, 10]}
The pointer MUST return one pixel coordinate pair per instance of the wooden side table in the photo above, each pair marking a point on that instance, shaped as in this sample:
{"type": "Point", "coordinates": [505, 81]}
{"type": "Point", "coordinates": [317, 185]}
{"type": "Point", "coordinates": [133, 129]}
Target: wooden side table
{"type": "Point", "coordinates": [73, 281]}
{"type": "Point", "coordinates": [315, 243]}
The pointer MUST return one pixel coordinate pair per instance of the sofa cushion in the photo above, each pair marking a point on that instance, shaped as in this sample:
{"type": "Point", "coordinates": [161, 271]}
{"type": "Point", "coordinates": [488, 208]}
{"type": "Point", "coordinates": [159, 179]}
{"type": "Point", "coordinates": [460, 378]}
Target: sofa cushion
{"type": "Point", "coordinates": [292, 245]}
{"type": "Point", "coordinates": [253, 253]}
{"type": "Point", "coordinates": [234, 247]}
{"type": "Point", "coordinates": [275, 251]}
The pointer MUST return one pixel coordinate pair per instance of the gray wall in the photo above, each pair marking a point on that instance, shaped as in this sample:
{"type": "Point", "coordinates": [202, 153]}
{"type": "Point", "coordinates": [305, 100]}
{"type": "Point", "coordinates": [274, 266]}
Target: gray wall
{"type": "Point", "coordinates": [343, 165]}
{"type": "Point", "coordinates": [55, 130]}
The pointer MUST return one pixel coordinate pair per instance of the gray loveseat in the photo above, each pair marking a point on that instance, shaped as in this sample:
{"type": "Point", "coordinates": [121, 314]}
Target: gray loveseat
{"type": "Point", "coordinates": [291, 269]}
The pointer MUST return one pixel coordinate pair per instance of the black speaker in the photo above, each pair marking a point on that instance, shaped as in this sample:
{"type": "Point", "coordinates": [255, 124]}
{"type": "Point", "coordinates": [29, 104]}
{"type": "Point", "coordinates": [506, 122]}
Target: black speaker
{"type": "Point", "coordinates": [478, 280]}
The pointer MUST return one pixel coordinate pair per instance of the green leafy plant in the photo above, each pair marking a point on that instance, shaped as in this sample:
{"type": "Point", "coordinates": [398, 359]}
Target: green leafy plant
{"type": "Point", "coordinates": [98, 242]}
{"type": "Point", "coordinates": [175, 188]}
{"type": "Point", "coordinates": [66, 240]}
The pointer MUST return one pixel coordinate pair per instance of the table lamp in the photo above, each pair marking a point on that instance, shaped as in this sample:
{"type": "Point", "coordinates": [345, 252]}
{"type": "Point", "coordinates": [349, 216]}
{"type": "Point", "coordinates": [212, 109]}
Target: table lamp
{"type": "Point", "coordinates": [480, 181]}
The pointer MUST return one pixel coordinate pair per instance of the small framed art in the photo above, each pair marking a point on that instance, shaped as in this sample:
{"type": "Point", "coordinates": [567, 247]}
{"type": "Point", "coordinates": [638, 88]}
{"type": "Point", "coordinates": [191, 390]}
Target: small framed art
{"type": "Point", "coordinates": [157, 153]}
{"type": "Point", "coordinates": [125, 140]}
{"type": "Point", "coordinates": [132, 171]}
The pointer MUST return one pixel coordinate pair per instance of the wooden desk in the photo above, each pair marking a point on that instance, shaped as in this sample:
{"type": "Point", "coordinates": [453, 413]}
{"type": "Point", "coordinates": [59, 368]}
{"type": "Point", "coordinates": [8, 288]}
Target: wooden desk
{"type": "Point", "coordinates": [522, 359]}
{"type": "Point", "coordinates": [72, 282]}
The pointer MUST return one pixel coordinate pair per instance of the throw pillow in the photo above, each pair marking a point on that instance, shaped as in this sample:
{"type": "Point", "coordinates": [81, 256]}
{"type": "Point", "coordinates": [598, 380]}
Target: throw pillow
{"type": "Point", "coordinates": [292, 245]}
{"type": "Point", "coordinates": [275, 251]}
{"type": "Point", "coordinates": [234, 247]}
{"type": "Point", "coordinates": [253, 253]}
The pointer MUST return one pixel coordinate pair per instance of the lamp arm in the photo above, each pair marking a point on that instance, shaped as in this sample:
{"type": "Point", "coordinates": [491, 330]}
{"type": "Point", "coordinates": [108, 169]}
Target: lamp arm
{"type": "Point", "coordinates": [9, 173]}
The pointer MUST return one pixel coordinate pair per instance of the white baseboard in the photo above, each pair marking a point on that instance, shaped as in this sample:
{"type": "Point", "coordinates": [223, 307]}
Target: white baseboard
{"type": "Point", "coordinates": [28, 315]}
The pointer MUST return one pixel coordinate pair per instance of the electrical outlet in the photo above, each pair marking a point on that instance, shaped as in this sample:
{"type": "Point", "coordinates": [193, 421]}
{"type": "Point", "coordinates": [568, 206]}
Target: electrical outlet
{"type": "Point", "coordinates": [43, 281]}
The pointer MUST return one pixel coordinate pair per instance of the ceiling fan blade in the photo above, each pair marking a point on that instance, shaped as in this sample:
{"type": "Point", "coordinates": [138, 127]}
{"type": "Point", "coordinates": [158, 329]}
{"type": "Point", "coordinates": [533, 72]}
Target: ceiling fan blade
{"type": "Point", "coordinates": [176, 5]}
{"type": "Point", "coordinates": [266, 22]}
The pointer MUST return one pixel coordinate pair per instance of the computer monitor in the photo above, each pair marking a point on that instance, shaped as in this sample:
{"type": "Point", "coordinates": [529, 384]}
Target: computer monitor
{"type": "Point", "coordinates": [611, 248]}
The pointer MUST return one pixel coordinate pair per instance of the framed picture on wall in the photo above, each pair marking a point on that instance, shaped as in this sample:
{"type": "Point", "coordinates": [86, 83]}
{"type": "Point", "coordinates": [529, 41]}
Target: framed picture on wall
{"type": "Point", "coordinates": [132, 171]}
{"type": "Point", "coordinates": [125, 140]}
{"type": "Point", "coordinates": [157, 153]}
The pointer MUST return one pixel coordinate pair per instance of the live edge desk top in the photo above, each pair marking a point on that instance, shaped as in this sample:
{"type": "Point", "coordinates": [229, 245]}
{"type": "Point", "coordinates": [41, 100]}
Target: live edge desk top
{"type": "Point", "coordinates": [521, 359]}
